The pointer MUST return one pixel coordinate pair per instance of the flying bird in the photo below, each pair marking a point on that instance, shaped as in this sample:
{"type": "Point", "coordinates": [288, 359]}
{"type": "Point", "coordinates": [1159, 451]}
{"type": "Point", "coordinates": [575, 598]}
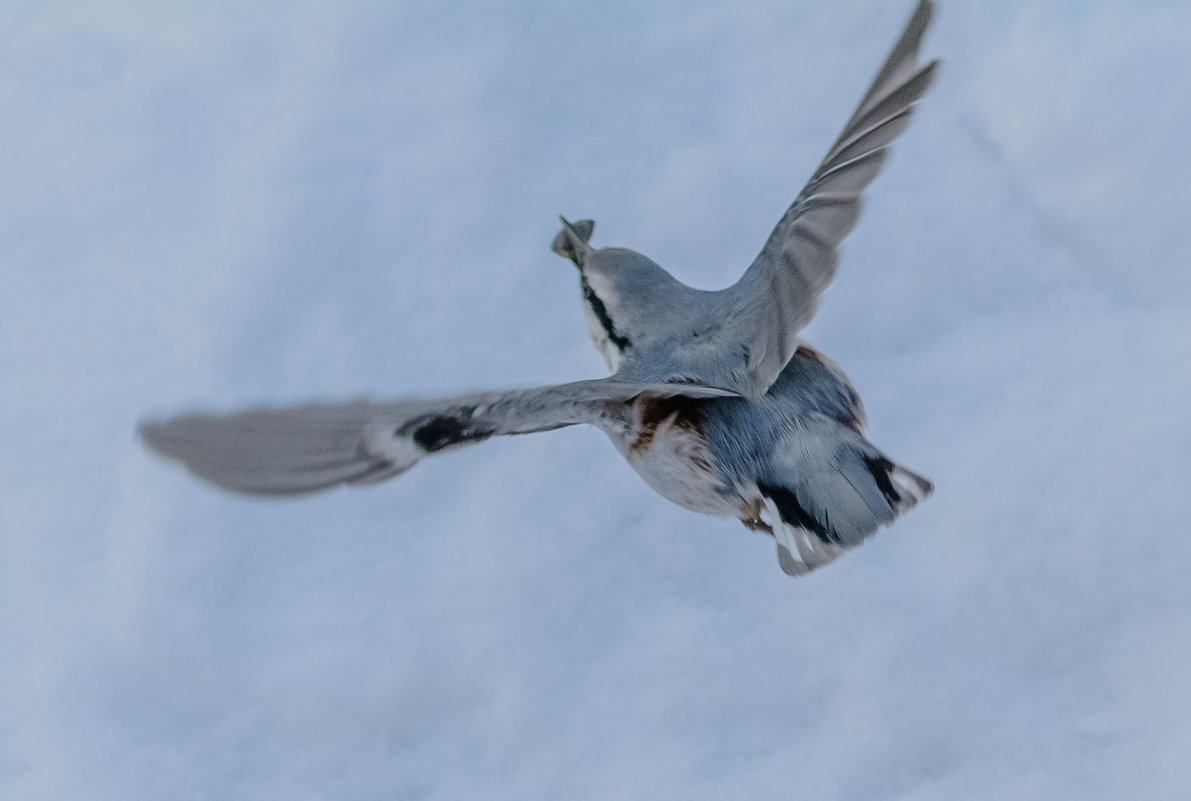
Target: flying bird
{"type": "Point", "coordinates": [714, 399]}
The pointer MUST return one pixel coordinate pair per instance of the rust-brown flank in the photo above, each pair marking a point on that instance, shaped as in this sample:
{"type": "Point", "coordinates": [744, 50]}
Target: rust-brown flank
{"type": "Point", "coordinates": [677, 411]}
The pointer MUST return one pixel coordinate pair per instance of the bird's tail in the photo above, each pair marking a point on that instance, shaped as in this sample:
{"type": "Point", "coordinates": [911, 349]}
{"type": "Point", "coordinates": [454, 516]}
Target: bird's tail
{"type": "Point", "coordinates": [830, 489]}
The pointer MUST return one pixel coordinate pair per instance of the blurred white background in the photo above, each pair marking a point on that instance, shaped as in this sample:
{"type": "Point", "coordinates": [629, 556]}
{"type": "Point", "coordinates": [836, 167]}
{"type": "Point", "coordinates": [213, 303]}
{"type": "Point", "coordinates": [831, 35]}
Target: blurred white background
{"type": "Point", "coordinates": [207, 205]}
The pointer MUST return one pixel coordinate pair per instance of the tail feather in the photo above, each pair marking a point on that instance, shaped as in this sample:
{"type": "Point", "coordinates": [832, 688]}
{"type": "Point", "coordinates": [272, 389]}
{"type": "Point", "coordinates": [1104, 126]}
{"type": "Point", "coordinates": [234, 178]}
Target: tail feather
{"type": "Point", "coordinates": [912, 488]}
{"type": "Point", "coordinates": [829, 491]}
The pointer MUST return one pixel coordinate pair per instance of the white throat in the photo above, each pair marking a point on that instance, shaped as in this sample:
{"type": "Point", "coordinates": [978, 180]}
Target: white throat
{"type": "Point", "coordinates": [600, 339]}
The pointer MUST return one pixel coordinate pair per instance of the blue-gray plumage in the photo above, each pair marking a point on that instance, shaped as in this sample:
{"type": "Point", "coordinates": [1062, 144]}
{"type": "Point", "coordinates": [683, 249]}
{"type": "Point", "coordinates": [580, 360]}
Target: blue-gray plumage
{"type": "Point", "coordinates": [804, 443]}
{"type": "Point", "coordinates": [714, 400]}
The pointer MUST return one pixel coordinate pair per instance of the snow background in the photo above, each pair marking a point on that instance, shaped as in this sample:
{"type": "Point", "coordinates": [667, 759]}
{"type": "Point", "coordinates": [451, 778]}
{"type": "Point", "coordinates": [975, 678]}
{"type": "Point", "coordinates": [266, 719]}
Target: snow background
{"type": "Point", "coordinates": [207, 205]}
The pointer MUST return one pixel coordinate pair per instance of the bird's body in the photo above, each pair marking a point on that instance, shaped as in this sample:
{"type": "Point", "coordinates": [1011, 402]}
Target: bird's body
{"type": "Point", "coordinates": [714, 400]}
{"type": "Point", "coordinates": [729, 441]}
{"type": "Point", "coordinates": [793, 463]}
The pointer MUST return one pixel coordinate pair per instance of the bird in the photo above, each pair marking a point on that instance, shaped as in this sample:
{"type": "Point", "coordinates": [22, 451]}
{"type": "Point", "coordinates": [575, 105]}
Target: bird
{"type": "Point", "coordinates": [713, 397]}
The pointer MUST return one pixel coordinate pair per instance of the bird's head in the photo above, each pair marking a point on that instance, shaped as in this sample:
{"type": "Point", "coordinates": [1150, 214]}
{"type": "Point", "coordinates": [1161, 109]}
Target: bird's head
{"type": "Point", "coordinates": [571, 242]}
{"type": "Point", "coordinates": [626, 294]}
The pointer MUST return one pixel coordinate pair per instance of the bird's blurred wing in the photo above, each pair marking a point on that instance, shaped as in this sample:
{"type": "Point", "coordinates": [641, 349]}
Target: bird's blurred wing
{"type": "Point", "coordinates": [302, 449]}
{"type": "Point", "coordinates": [779, 293]}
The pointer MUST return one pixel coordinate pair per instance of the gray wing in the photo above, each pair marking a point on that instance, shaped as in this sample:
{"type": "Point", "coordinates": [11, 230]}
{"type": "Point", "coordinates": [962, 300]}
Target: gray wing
{"type": "Point", "coordinates": [779, 293]}
{"type": "Point", "coordinates": [302, 449]}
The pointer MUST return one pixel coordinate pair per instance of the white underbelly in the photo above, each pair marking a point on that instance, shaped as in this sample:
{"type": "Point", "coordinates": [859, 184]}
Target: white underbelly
{"type": "Point", "coordinates": [678, 466]}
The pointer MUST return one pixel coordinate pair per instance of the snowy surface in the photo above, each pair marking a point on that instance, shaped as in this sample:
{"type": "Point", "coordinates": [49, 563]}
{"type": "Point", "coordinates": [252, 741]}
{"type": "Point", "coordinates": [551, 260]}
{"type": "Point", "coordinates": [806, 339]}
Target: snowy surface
{"type": "Point", "coordinates": [207, 205]}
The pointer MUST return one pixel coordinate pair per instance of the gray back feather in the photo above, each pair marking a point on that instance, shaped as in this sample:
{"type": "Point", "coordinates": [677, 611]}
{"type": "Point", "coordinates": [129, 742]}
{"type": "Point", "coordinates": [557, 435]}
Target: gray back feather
{"type": "Point", "coordinates": [809, 387]}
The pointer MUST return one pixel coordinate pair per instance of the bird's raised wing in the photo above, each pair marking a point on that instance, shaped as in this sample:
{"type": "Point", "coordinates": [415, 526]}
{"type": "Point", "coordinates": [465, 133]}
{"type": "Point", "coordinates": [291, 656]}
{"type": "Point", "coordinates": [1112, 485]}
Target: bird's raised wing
{"type": "Point", "coordinates": [302, 449]}
{"type": "Point", "coordinates": [779, 293]}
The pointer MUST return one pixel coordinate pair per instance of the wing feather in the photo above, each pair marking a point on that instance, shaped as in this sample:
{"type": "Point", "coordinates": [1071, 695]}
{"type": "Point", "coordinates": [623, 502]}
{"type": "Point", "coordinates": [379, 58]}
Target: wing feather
{"type": "Point", "coordinates": [779, 293]}
{"type": "Point", "coordinates": [302, 449]}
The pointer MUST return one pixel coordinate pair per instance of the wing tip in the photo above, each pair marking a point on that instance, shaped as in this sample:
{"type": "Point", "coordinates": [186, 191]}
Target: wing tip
{"type": "Point", "coordinates": [154, 435]}
{"type": "Point", "coordinates": [920, 20]}
{"type": "Point", "coordinates": [931, 70]}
